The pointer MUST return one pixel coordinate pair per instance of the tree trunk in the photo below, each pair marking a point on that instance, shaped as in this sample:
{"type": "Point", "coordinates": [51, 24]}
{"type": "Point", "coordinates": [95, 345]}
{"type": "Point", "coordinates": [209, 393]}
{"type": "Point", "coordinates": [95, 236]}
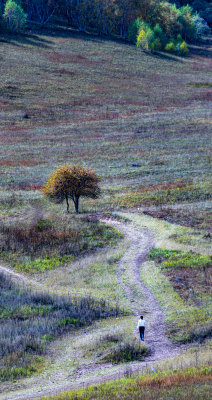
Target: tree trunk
{"type": "Point", "coordinates": [76, 203]}
{"type": "Point", "coordinates": [67, 202]}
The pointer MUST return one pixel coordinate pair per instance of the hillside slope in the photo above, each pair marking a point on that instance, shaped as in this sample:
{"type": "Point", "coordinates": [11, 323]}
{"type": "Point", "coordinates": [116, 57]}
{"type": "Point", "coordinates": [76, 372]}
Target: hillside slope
{"type": "Point", "coordinates": [142, 121]}
{"type": "Point", "coordinates": [62, 371]}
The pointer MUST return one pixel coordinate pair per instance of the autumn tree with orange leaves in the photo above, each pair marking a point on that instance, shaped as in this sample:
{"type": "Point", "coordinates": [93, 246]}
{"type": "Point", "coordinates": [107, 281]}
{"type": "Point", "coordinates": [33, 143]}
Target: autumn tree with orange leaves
{"type": "Point", "coordinates": [72, 182]}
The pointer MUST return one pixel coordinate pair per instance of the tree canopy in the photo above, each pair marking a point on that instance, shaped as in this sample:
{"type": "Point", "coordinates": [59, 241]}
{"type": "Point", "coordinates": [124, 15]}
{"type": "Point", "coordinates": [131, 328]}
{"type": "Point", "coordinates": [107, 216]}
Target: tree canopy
{"type": "Point", "coordinates": [72, 182]}
{"type": "Point", "coordinates": [105, 17]}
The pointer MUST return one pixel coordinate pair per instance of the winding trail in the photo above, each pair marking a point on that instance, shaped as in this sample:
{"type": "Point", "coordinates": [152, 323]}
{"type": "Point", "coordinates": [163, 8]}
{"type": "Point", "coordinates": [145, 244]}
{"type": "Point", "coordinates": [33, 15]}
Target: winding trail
{"type": "Point", "coordinates": [142, 301]}
{"type": "Point", "coordinates": [142, 241]}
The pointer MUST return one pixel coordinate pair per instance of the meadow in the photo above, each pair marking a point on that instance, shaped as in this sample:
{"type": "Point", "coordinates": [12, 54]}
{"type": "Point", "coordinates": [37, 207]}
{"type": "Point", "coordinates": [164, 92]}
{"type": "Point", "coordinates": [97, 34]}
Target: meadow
{"type": "Point", "coordinates": [189, 274]}
{"type": "Point", "coordinates": [41, 241]}
{"type": "Point", "coordinates": [30, 320]}
{"type": "Point", "coordinates": [142, 121]}
{"type": "Point", "coordinates": [193, 383]}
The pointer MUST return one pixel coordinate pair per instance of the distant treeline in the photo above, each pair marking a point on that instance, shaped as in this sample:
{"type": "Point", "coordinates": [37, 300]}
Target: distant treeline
{"type": "Point", "coordinates": [151, 24]}
{"type": "Point", "coordinates": [105, 16]}
{"type": "Point", "coordinates": [203, 7]}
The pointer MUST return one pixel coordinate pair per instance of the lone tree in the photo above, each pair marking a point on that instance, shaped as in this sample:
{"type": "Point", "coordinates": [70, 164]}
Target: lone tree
{"type": "Point", "coordinates": [72, 182]}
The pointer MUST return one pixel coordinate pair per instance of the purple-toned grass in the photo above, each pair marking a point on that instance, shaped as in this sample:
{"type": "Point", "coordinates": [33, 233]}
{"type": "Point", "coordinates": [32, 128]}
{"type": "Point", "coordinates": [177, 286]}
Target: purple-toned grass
{"type": "Point", "coordinates": [107, 105]}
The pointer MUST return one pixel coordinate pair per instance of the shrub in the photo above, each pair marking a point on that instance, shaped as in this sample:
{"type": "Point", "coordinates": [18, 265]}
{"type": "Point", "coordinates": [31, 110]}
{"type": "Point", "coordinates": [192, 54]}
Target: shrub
{"type": "Point", "coordinates": [155, 39]}
{"type": "Point", "coordinates": [38, 243]}
{"type": "Point", "coordinates": [179, 38]}
{"type": "Point", "coordinates": [185, 17]}
{"type": "Point", "coordinates": [204, 8]}
{"type": "Point", "coordinates": [133, 30]}
{"type": "Point", "coordinates": [156, 45]}
{"type": "Point", "coordinates": [111, 338]}
{"type": "Point", "coordinates": [170, 47]}
{"type": "Point", "coordinates": [184, 49]}
{"type": "Point", "coordinates": [165, 22]}
{"type": "Point", "coordinates": [14, 16]}
{"type": "Point", "coordinates": [145, 37]}
{"type": "Point", "coordinates": [180, 259]}
{"type": "Point", "coordinates": [159, 34]}
{"type": "Point", "coordinates": [201, 26]}
{"type": "Point", "coordinates": [126, 352]}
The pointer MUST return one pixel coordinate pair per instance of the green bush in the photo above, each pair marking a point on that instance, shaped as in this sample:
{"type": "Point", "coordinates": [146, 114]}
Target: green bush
{"type": "Point", "coordinates": [170, 47]}
{"type": "Point", "coordinates": [156, 45]}
{"type": "Point", "coordinates": [14, 16]}
{"type": "Point", "coordinates": [204, 9]}
{"type": "Point", "coordinates": [184, 49]}
{"type": "Point", "coordinates": [145, 37]}
{"type": "Point", "coordinates": [185, 18]}
{"type": "Point", "coordinates": [179, 259]}
{"type": "Point", "coordinates": [164, 23]}
{"type": "Point", "coordinates": [156, 40]}
{"type": "Point", "coordinates": [133, 30]}
{"type": "Point", "coordinates": [179, 38]}
{"type": "Point", "coordinates": [159, 35]}
{"type": "Point", "coordinates": [126, 352]}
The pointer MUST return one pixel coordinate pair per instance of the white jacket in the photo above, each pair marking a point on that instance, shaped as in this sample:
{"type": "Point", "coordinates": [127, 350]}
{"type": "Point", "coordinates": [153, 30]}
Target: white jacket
{"type": "Point", "coordinates": [141, 322]}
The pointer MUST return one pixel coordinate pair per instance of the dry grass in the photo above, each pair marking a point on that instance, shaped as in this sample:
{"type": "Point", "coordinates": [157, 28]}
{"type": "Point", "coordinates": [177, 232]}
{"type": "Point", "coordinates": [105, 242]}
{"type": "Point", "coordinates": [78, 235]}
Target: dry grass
{"type": "Point", "coordinates": [99, 102]}
{"type": "Point", "coordinates": [193, 384]}
{"type": "Point", "coordinates": [141, 121]}
{"type": "Point", "coordinates": [39, 241]}
{"type": "Point", "coordinates": [189, 274]}
{"type": "Point", "coordinates": [30, 320]}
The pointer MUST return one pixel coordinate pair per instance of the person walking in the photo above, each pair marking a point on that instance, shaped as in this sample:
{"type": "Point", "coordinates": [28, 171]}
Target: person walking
{"type": "Point", "coordinates": [141, 327]}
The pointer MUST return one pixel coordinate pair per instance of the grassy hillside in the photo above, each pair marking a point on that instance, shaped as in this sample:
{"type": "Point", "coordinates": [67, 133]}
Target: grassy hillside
{"type": "Point", "coordinates": [141, 120]}
{"type": "Point", "coordinates": [30, 320]}
{"type": "Point", "coordinates": [35, 241]}
{"type": "Point", "coordinates": [185, 295]}
{"type": "Point", "coordinates": [179, 275]}
{"type": "Point", "coordinates": [108, 346]}
{"type": "Point", "coordinates": [193, 383]}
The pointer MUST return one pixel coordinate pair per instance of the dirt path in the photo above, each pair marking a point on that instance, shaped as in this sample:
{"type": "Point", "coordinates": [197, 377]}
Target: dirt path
{"type": "Point", "coordinates": [142, 241]}
{"type": "Point", "coordinates": [12, 273]}
{"type": "Point", "coordinates": [142, 301]}
{"type": "Point", "coordinates": [21, 279]}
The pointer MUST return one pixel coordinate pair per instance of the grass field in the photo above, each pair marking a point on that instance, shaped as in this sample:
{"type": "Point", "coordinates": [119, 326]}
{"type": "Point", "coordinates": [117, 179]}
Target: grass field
{"type": "Point", "coordinates": [36, 241]}
{"type": "Point", "coordinates": [30, 320]}
{"type": "Point", "coordinates": [179, 274]}
{"type": "Point", "coordinates": [186, 294]}
{"type": "Point", "coordinates": [194, 383]}
{"type": "Point", "coordinates": [142, 121]}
